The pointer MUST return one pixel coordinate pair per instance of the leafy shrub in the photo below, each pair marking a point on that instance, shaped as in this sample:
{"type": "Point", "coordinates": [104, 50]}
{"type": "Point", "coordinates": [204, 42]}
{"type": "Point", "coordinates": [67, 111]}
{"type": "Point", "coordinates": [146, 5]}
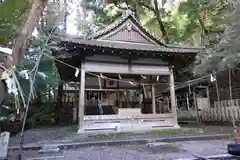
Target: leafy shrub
{"type": "Point", "coordinates": [42, 115]}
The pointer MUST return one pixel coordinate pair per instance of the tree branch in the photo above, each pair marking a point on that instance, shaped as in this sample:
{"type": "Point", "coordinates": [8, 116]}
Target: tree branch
{"type": "Point", "coordinates": [146, 6]}
{"type": "Point", "coordinates": [205, 30]}
{"type": "Point", "coordinates": [156, 11]}
{"type": "Point", "coordinates": [123, 8]}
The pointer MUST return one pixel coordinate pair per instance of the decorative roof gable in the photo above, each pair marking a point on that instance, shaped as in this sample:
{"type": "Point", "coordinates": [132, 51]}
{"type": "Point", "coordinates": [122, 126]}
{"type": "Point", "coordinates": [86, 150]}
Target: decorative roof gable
{"type": "Point", "coordinates": [126, 29]}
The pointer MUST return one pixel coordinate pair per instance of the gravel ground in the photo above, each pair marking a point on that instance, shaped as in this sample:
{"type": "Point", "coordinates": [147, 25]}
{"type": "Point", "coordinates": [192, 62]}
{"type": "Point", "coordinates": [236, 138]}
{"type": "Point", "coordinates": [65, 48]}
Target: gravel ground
{"type": "Point", "coordinates": [42, 134]}
{"type": "Point", "coordinates": [169, 151]}
{"type": "Point", "coordinates": [58, 133]}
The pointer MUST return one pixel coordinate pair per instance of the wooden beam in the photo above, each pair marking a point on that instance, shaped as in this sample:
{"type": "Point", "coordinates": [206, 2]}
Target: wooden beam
{"type": "Point", "coordinates": [230, 83]}
{"type": "Point", "coordinates": [81, 97]}
{"type": "Point", "coordinates": [187, 101]}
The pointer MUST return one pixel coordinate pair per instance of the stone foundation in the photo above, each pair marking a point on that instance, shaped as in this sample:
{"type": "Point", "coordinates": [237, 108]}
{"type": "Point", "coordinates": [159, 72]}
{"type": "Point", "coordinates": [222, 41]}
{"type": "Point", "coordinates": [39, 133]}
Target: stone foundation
{"type": "Point", "coordinates": [118, 123]}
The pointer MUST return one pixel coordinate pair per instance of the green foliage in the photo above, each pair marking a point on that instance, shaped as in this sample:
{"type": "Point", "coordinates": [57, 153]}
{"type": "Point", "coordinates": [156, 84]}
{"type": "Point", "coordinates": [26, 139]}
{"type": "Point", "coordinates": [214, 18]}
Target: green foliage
{"type": "Point", "coordinates": [47, 74]}
{"type": "Point", "coordinates": [47, 80]}
{"type": "Point", "coordinates": [182, 23]}
{"type": "Point", "coordinates": [204, 16]}
{"type": "Point", "coordinates": [103, 15]}
{"type": "Point", "coordinates": [43, 115]}
{"type": "Point", "coordinates": [221, 50]}
{"type": "Point", "coordinates": [12, 16]}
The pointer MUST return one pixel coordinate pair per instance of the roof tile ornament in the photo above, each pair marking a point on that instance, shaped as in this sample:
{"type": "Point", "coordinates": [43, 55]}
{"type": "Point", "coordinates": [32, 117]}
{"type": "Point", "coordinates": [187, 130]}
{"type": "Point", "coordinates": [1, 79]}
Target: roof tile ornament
{"type": "Point", "coordinates": [128, 12]}
{"type": "Point", "coordinates": [129, 27]}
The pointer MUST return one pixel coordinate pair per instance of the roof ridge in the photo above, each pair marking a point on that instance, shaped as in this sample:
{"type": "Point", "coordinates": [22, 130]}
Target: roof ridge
{"type": "Point", "coordinates": [184, 46]}
{"type": "Point", "coordinates": [110, 26]}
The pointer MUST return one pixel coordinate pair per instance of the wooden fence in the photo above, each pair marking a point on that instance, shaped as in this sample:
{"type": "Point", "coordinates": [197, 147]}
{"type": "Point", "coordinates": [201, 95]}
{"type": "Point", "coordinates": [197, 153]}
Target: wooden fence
{"type": "Point", "coordinates": [223, 111]}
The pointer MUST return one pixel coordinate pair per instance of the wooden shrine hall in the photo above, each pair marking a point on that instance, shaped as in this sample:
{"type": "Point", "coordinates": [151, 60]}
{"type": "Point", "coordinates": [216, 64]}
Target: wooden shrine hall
{"type": "Point", "coordinates": [121, 69]}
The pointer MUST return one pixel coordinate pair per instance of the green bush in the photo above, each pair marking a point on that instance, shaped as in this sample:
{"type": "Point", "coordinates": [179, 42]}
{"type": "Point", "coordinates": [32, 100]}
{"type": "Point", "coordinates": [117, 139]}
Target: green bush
{"type": "Point", "coordinates": [42, 115]}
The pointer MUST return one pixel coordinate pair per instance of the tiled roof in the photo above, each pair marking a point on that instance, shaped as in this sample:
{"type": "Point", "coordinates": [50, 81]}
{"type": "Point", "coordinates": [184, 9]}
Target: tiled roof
{"type": "Point", "coordinates": [131, 46]}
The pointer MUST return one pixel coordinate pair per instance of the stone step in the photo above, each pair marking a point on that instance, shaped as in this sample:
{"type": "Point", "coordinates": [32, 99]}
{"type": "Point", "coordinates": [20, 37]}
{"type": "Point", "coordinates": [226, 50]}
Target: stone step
{"type": "Point", "coordinates": [125, 127]}
{"type": "Point", "coordinates": [49, 149]}
{"type": "Point", "coordinates": [158, 144]}
{"type": "Point", "coordinates": [4, 140]}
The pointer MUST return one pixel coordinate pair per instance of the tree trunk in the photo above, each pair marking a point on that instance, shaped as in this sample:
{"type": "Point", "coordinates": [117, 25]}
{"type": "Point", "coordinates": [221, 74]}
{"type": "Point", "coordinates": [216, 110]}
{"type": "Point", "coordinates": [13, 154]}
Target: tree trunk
{"type": "Point", "coordinates": [160, 22]}
{"type": "Point", "coordinates": [20, 42]}
{"type": "Point", "coordinates": [65, 17]}
{"type": "Point", "coordinates": [32, 21]}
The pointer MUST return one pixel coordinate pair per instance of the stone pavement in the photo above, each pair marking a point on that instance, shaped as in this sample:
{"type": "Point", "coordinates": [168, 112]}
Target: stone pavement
{"type": "Point", "coordinates": [168, 151]}
{"type": "Point", "coordinates": [47, 135]}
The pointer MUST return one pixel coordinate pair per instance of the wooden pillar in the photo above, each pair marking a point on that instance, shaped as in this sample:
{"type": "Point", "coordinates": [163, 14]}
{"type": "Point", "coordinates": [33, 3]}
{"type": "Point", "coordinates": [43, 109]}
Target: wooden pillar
{"type": "Point", "coordinates": [218, 96]}
{"type": "Point", "coordinates": [81, 98]}
{"type": "Point", "coordinates": [230, 84]}
{"type": "Point", "coordinates": [172, 95]}
{"type": "Point", "coordinates": [140, 97]}
{"type": "Point", "coordinates": [187, 99]}
{"type": "Point", "coordinates": [208, 97]}
{"type": "Point", "coordinates": [153, 100]}
{"type": "Point", "coordinates": [196, 106]}
{"type": "Point", "coordinates": [231, 105]}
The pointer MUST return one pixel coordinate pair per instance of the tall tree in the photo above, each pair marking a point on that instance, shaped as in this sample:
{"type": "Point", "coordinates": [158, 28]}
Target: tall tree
{"type": "Point", "coordinates": [216, 34]}
{"type": "Point", "coordinates": [20, 42]}
{"type": "Point", "coordinates": [205, 17]}
{"type": "Point", "coordinates": [12, 15]}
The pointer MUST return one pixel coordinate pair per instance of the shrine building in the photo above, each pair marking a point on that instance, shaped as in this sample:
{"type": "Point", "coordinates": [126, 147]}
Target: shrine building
{"type": "Point", "coordinates": [123, 78]}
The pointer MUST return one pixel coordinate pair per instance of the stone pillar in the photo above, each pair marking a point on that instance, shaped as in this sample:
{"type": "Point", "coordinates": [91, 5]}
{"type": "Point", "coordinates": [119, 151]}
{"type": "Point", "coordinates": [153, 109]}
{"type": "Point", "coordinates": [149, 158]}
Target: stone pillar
{"type": "Point", "coordinates": [153, 100]}
{"type": "Point", "coordinates": [173, 97]}
{"type": "Point", "coordinates": [81, 98]}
